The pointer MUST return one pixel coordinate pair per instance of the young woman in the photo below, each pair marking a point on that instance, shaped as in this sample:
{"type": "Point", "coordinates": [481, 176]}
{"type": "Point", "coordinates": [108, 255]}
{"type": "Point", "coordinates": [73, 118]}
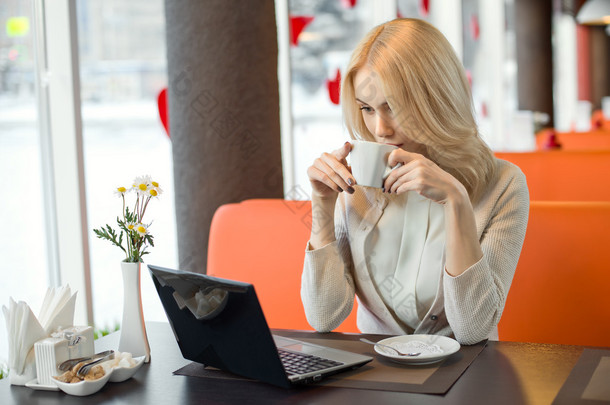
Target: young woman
{"type": "Point", "coordinates": [435, 250]}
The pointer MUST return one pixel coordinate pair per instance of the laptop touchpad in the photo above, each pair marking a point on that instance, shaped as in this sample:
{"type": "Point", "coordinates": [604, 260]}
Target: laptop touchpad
{"type": "Point", "coordinates": [297, 346]}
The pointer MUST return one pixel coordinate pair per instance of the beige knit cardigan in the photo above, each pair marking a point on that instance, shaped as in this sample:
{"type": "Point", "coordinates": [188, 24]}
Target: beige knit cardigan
{"type": "Point", "coordinates": [467, 307]}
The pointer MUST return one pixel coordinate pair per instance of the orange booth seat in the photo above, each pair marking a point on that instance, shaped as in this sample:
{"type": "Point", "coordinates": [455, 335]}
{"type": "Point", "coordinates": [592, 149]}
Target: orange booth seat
{"type": "Point", "coordinates": [560, 292]}
{"type": "Point", "coordinates": [561, 289]}
{"type": "Point", "coordinates": [564, 175]}
{"type": "Point", "coordinates": [263, 242]}
{"type": "Point", "coordinates": [596, 139]}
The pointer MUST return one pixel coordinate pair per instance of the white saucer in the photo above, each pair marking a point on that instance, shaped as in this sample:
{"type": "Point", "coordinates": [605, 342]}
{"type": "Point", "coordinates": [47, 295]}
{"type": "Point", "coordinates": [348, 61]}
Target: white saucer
{"type": "Point", "coordinates": [433, 348]}
{"type": "Point", "coordinates": [33, 384]}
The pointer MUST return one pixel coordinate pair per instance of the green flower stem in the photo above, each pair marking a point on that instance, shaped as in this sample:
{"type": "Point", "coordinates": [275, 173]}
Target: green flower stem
{"type": "Point", "coordinates": [145, 206]}
{"type": "Point", "coordinates": [123, 198]}
{"type": "Point", "coordinates": [136, 207]}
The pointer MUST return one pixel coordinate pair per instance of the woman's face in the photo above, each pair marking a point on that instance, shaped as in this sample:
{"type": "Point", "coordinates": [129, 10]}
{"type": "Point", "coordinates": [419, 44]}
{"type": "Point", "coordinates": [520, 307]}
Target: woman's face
{"type": "Point", "coordinates": [380, 120]}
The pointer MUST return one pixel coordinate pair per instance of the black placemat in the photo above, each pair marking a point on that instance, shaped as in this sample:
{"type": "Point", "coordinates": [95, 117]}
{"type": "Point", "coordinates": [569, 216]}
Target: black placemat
{"type": "Point", "coordinates": [589, 380]}
{"type": "Point", "coordinates": [380, 374]}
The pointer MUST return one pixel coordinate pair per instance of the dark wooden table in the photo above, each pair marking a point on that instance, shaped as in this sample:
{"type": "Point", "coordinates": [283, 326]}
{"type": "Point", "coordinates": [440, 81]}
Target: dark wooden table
{"type": "Point", "coordinates": [504, 373]}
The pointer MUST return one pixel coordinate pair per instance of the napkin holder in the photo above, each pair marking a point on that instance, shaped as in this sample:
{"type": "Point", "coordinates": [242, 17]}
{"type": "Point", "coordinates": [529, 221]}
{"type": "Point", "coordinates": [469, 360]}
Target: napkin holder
{"type": "Point", "coordinates": [24, 329]}
{"type": "Point", "coordinates": [80, 341]}
{"type": "Point", "coordinates": [50, 352]}
{"type": "Point", "coordinates": [65, 344]}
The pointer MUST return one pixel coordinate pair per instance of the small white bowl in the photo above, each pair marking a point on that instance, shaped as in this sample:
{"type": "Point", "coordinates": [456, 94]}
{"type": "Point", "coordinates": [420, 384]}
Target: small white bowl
{"type": "Point", "coordinates": [85, 387]}
{"type": "Point", "coordinates": [120, 374]}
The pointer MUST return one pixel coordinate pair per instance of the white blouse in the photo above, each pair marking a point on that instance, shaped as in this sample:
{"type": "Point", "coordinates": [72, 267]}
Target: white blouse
{"type": "Point", "coordinates": [413, 227]}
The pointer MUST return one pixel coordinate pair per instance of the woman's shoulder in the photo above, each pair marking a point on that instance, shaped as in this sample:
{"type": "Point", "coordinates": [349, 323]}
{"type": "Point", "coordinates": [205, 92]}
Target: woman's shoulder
{"type": "Point", "coordinates": [509, 182]}
{"type": "Point", "coordinates": [507, 171]}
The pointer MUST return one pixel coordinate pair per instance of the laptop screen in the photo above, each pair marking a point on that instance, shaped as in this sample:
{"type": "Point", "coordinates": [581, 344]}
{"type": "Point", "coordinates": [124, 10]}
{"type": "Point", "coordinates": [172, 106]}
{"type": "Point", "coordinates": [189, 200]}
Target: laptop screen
{"type": "Point", "coordinates": [219, 323]}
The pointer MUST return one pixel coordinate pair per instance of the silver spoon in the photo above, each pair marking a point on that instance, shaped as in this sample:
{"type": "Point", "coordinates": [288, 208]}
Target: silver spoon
{"type": "Point", "coordinates": [68, 364]}
{"type": "Point", "coordinates": [412, 354]}
{"type": "Point", "coordinates": [84, 370]}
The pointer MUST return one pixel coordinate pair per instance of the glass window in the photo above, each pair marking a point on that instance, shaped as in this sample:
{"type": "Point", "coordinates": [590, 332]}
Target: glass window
{"type": "Point", "coordinates": [24, 265]}
{"type": "Point", "coordinates": [319, 54]}
{"type": "Point", "coordinates": [413, 9]}
{"type": "Point", "coordinates": [123, 69]}
{"type": "Point", "coordinates": [323, 36]}
{"type": "Point", "coordinates": [491, 66]}
{"type": "Point", "coordinates": [475, 63]}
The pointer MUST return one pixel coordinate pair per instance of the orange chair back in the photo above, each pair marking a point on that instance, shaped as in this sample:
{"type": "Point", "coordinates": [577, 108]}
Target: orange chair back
{"type": "Point", "coordinates": [561, 289]}
{"type": "Point", "coordinates": [599, 121]}
{"type": "Point", "coordinates": [564, 175]}
{"type": "Point", "coordinates": [596, 139]}
{"type": "Point", "coordinates": [263, 242]}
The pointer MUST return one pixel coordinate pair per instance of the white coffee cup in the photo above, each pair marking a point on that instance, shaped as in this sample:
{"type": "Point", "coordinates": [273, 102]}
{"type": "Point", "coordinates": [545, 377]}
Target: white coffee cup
{"type": "Point", "coordinates": [369, 161]}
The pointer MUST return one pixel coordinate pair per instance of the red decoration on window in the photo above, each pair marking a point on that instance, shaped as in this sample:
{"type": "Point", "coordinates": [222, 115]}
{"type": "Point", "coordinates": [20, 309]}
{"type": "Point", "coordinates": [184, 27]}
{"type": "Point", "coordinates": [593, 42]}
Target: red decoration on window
{"type": "Point", "coordinates": [484, 109]}
{"type": "Point", "coordinates": [334, 88]}
{"type": "Point", "coordinates": [398, 13]}
{"type": "Point", "coordinates": [424, 7]}
{"type": "Point", "coordinates": [297, 25]}
{"type": "Point", "coordinates": [162, 105]}
{"type": "Point", "coordinates": [348, 3]}
{"type": "Point", "coordinates": [475, 29]}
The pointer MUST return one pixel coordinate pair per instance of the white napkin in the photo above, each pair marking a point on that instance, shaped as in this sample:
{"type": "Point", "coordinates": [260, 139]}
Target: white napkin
{"type": "Point", "coordinates": [57, 309]}
{"type": "Point", "coordinates": [24, 329]}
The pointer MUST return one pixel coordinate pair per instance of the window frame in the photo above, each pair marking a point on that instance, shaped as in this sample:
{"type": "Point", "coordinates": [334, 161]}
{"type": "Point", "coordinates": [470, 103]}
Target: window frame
{"type": "Point", "coordinates": [61, 140]}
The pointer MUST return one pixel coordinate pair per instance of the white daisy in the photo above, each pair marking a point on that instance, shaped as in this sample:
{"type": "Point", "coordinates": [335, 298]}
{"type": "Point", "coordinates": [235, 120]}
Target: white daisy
{"type": "Point", "coordinates": [156, 187]}
{"type": "Point", "coordinates": [120, 191]}
{"type": "Point", "coordinates": [141, 229]}
{"type": "Point", "coordinates": [142, 184]}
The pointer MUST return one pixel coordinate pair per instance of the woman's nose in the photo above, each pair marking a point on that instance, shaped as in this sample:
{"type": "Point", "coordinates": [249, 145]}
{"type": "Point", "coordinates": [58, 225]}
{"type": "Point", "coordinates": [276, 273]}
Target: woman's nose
{"type": "Point", "coordinates": [383, 127]}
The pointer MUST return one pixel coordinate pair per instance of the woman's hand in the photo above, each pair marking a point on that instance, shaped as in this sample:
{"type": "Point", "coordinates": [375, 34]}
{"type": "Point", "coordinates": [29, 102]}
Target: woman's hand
{"type": "Point", "coordinates": [422, 175]}
{"type": "Point", "coordinates": [330, 175]}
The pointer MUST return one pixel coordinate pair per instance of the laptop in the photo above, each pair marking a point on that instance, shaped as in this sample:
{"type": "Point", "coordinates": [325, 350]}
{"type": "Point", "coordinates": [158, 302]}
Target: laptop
{"type": "Point", "coordinates": [220, 323]}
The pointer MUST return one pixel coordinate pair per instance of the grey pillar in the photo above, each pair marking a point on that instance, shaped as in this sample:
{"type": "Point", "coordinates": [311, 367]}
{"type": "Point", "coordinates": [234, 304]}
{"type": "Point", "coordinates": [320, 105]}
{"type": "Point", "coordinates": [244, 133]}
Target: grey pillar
{"type": "Point", "coordinates": [599, 43]}
{"type": "Point", "coordinates": [223, 112]}
{"type": "Point", "coordinates": [533, 28]}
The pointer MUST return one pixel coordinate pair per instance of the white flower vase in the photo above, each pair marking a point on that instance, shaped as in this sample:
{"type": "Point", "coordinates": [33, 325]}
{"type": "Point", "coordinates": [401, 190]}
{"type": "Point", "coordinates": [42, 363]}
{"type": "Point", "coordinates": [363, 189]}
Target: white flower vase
{"type": "Point", "coordinates": [133, 331]}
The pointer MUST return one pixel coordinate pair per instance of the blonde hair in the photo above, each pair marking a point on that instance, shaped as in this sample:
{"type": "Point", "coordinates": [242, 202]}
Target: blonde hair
{"type": "Point", "coordinates": [427, 90]}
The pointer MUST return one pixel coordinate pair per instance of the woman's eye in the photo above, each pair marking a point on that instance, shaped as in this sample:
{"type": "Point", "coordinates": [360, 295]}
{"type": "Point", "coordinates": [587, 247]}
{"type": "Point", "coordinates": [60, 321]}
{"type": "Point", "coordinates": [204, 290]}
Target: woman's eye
{"type": "Point", "coordinates": [366, 109]}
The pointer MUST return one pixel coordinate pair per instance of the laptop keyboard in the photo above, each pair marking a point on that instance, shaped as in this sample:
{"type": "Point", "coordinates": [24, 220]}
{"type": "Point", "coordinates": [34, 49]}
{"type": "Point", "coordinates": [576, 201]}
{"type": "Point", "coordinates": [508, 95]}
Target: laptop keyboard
{"type": "Point", "coordinates": [301, 363]}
